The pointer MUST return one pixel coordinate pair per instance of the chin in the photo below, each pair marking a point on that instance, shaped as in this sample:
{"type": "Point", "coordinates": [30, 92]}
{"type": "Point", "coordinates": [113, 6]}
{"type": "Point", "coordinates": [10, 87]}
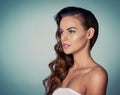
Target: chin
{"type": "Point", "coordinates": [66, 52]}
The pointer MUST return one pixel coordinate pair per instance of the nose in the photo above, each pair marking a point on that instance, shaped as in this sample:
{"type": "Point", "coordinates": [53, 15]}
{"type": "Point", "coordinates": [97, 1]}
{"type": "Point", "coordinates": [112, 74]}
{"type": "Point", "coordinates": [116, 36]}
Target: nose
{"type": "Point", "coordinates": [64, 37]}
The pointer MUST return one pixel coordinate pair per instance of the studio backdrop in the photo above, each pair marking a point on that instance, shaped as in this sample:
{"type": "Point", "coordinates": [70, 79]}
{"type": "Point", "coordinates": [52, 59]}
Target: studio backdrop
{"type": "Point", "coordinates": [27, 39]}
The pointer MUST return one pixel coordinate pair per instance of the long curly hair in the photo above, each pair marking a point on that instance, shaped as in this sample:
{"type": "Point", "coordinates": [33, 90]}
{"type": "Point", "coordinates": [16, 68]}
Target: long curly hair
{"type": "Point", "coordinates": [61, 65]}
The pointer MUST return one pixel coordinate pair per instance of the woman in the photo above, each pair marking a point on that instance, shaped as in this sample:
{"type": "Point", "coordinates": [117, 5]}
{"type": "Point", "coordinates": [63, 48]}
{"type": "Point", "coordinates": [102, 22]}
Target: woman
{"type": "Point", "coordinates": [74, 72]}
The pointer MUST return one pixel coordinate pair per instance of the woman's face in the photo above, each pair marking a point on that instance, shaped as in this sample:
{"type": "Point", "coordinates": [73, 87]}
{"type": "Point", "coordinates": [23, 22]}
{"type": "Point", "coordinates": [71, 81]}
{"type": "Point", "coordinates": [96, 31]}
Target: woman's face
{"type": "Point", "coordinates": [73, 35]}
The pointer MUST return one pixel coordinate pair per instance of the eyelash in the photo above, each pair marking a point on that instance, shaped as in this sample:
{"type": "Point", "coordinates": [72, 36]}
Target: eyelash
{"type": "Point", "coordinates": [71, 31]}
{"type": "Point", "coordinates": [60, 32]}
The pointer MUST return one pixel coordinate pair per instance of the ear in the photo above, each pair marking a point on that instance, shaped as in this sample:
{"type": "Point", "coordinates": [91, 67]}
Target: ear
{"type": "Point", "coordinates": [90, 33]}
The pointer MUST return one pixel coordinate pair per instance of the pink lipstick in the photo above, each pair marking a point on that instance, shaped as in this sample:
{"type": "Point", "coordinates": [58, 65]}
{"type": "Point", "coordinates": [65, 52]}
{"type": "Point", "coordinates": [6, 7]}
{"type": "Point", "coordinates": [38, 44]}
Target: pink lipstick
{"type": "Point", "coordinates": [65, 46]}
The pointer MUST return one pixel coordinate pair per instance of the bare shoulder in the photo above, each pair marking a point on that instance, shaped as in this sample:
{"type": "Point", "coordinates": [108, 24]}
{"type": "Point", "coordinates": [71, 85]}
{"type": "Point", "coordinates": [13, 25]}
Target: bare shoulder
{"type": "Point", "coordinates": [98, 73]}
{"type": "Point", "coordinates": [97, 81]}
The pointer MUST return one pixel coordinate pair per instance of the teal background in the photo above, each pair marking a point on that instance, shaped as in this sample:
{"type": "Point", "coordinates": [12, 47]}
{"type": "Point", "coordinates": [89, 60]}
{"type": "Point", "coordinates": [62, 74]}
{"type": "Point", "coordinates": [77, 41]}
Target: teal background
{"type": "Point", "coordinates": [27, 30]}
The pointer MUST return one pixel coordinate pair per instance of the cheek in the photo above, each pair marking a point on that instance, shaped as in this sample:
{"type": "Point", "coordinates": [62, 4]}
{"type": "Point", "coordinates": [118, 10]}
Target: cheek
{"type": "Point", "coordinates": [79, 38]}
{"type": "Point", "coordinates": [79, 42]}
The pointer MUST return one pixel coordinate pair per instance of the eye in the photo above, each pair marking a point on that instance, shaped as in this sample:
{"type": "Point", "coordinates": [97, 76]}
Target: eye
{"type": "Point", "coordinates": [72, 31]}
{"type": "Point", "coordinates": [60, 32]}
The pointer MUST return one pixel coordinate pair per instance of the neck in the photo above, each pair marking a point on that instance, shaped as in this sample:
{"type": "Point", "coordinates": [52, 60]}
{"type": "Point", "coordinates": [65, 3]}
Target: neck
{"type": "Point", "coordinates": [82, 59]}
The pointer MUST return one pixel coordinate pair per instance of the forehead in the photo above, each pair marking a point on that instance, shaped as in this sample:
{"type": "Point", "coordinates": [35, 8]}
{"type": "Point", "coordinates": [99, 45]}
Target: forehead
{"type": "Point", "coordinates": [70, 21]}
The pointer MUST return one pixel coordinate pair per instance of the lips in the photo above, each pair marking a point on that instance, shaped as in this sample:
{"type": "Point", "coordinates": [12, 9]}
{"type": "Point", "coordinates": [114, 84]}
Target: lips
{"type": "Point", "coordinates": [65, 46]}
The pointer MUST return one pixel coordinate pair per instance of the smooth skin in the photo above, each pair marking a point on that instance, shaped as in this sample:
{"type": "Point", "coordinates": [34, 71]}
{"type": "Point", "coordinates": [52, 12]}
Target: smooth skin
{"type": "Point", "coordinates": [85, 76]}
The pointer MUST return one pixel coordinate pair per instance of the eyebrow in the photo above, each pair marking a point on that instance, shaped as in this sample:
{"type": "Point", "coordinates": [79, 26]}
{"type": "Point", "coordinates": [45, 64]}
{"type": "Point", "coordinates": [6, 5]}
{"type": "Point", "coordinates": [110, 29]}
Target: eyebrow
{"type": "Point", "coordinates": [71, 28]}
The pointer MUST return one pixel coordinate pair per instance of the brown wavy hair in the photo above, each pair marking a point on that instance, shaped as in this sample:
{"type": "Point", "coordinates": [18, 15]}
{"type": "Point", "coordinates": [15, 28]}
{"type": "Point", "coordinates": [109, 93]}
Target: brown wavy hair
{"type": "Point", "coordinates": [61, 65]}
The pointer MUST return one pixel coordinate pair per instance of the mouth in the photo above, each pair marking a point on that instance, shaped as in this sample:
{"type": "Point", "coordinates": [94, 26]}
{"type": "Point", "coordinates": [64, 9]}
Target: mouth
{"type": "Point", "coordinates": [65, 46]}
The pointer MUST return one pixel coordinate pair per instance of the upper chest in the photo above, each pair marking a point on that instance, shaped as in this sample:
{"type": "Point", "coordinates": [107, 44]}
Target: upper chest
{"type": "Point", "coordinates": [77, 79]}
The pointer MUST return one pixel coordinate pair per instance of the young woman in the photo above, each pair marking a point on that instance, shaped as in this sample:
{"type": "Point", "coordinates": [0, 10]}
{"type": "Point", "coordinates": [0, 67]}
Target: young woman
{"type": "Point", "coordinates": [74, 72]}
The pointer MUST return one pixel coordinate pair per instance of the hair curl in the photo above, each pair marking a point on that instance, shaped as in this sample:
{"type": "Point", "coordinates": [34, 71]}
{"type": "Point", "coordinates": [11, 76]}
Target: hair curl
{"type": "Point", "coordinates": [61, 65]}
